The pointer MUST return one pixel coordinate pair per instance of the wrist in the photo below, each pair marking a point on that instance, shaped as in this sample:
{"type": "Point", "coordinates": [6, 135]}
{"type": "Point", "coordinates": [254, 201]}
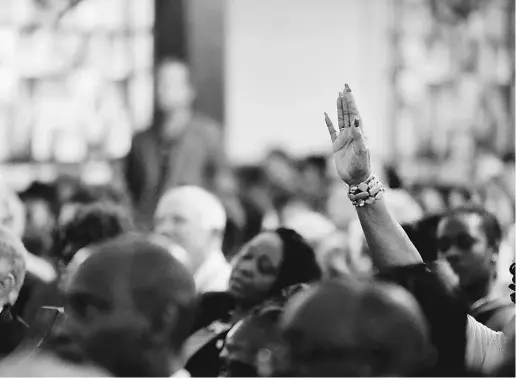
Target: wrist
{"type": "Point", "coordinates": [357, 182]}
{"type": "Point", "coordinates": [366, 192]}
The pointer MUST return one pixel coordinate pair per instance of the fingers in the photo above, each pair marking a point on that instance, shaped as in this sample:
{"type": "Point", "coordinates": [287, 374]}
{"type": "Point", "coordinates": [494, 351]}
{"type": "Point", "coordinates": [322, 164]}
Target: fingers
{"type": "Point", "coordinates": [340, 112]}
{"type": "Point", "coordinates": [358, 135]}
{"type": "Point", "coordinates": [331, 128]}
{"type": "Point", "coordinates": [349, 106]}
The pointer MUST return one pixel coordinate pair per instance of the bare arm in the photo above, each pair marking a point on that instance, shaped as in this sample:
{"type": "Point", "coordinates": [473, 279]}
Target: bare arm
{"type": "Point", "coordinates": [388, 243]}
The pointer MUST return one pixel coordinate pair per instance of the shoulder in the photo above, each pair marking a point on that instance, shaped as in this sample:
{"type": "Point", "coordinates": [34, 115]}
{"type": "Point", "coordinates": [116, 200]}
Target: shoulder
{"type": "Point", "coordinates": [213, 306]}
{"type": "Point", "coordinates": [143, 137]}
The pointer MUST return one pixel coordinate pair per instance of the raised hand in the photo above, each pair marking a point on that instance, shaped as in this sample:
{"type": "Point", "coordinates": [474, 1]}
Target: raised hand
{"type": "Point", "coordinates": [349, 144]}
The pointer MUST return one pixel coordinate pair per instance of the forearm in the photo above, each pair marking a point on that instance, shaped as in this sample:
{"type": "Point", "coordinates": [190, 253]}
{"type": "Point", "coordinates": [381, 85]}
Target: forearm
{"type": "Point", "coordinates": [388, 243]}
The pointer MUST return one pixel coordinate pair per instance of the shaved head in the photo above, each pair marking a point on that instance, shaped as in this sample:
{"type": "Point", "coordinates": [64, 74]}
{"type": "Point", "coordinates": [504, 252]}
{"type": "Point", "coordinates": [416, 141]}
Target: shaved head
{"type": "Point", "coordinates": [130, 306]}
{"type": "Point", "coordinates": [350, 327]}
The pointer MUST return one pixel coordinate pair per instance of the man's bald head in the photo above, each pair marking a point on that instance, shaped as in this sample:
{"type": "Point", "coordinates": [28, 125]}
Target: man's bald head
{"type": "Point", "coordinates": [131, 292]}
{"type": "Point", "coordinates": [13, 257]}
{"type": "Point", "coordinates": [193, 218]}
{"type": "Point", "coordinates": [350, 327]}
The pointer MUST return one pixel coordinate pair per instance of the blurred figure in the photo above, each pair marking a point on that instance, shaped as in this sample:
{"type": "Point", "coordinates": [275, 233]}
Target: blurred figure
{"type": "Point", "coordinates": [182, 147]}
{"type": "Point", "coordinates": [469, 238]}
{"type": "Point", "coordinates": [40, 202]}
{"type": "Point", "coordinates": [338, 258]}
{"type": "Point", "coordinates": [252, 339]}
{"type": "Point", "coordinates": [506, 257]}
{"type": "Point", "coordinates": [130, 308]}
{"type": "Point", "coordinates": [45, 365]}
{"type": "Point", "coordinates": [356, 328]}
{"type": "Point", "coordinates": [312, 226]}
{"type": "Point", "coordinates": [12, 275]}
{"type": "Point", "coordinates": [12, 211]}
{"type": "Point", "coordinates": [267, 265]}
{"type": "Point", "coordinates": [403, 206]}
{"type": "Point", "coordinates": [431, 200]}
{"type": "Point", "coordinates": [195, 219]}
{"type": "Point", "coordinates": [338, 206]}
{"type": "Point", "coordinates": [283, 183]}
{"type": "Point", "coordinates": [314, 183]}
{"type": "Point", "coordinates": [90, 224]}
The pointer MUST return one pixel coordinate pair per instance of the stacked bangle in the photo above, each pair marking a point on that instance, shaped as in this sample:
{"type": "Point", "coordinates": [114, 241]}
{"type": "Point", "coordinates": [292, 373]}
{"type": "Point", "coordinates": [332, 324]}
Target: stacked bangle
{"type": "Point", "coordinates": [366, 192]}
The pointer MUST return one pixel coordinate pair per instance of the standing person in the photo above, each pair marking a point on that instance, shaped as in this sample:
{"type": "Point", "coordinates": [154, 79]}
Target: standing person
{"type": "Point", "coordinates": [469, 238]}
{"type": "Point", "coordinates": [182, 147]}
{"type": "Point", "coordinates": [195, 219]}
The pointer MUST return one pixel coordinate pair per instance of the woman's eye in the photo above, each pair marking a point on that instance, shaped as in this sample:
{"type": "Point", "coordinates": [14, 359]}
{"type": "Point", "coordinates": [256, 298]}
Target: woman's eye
{"type": "Point", "coordinates": [265, 266]}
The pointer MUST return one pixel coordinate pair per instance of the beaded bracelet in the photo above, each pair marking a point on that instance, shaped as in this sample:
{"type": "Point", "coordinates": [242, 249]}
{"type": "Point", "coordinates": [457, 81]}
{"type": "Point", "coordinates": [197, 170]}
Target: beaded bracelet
{"type": "Point", "coordinates": [366, 192]}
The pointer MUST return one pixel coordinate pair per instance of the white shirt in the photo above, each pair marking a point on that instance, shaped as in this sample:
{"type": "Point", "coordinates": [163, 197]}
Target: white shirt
{"type": "Point", "coordinates": [213, 274]}
{"type": "Point", "coordinates": [181, 374]}
{"type": "Point", "coordinates": [484, 347]}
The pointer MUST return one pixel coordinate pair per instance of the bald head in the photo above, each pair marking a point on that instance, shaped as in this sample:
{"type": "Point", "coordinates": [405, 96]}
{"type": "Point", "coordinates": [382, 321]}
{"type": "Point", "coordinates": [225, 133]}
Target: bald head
{"type": "Point", "coordinates": [193, 218]}
{"type": "Point", "coordinates": [350, 327]}
{"type": "Point", "coordinates": [13, 257]}
{"type": "Point", "coordinates": [133, 294]}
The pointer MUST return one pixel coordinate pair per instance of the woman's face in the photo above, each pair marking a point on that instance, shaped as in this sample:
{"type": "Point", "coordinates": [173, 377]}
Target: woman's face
{"type": "Point", "coordinates": [256, 267]}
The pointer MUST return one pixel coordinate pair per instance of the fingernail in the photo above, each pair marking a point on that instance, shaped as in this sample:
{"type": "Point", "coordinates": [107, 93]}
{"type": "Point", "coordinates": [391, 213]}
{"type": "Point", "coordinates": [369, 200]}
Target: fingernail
{"type": "Point", "coordinates": [348, 89]}
{"type": "Point", "coordinates": [357, 121]}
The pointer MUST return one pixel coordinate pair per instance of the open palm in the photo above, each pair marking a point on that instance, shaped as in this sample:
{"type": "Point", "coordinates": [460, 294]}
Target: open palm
{"type": "Point", "coordinates": [349, 145]}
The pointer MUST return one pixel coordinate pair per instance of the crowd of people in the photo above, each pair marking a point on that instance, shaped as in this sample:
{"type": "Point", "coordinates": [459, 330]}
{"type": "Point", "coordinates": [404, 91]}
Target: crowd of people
{"type": "Point", "coordinates": [319, 267]}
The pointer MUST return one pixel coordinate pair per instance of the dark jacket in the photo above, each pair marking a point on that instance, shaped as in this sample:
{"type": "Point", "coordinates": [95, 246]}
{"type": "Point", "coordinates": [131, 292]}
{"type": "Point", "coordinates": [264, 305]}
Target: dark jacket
{"type": "Point", "coordinates": [195, 158]}
{"type": "Point", "coordinates": [213, 321]}
{"type": "Point", "coordinates": [446, 315]}
{"type": "Point", "coordinates": [12, 332]}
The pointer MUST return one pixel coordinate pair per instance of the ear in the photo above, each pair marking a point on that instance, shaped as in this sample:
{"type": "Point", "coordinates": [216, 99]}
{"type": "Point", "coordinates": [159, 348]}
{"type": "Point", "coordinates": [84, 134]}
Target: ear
{"type": "Point", "coordinates": [8, 286]}
{"type": "Point", "coordinates": [165, 324]}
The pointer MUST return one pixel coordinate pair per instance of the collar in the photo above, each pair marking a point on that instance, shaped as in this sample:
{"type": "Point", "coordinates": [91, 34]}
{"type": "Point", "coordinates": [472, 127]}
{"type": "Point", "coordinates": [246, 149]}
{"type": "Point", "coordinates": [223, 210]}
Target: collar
{"type": "Point", "coordinates": [213, 260]}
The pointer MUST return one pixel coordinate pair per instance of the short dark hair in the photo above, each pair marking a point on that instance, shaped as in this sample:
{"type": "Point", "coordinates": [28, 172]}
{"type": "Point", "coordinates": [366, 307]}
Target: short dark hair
{"type": "Point", "coordinates": [93, 223]}
{"type": "Point", "coordinates": [491, 226]}
{"type": "Point", "coordinates": [299, 263]}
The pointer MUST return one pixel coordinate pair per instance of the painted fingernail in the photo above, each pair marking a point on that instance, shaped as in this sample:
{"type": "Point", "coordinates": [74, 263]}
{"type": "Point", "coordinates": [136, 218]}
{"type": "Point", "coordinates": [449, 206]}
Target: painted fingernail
{"type": "Point", "coordinates": [348, 89]}
{"type": "Point", "coordinates": [357, 121]}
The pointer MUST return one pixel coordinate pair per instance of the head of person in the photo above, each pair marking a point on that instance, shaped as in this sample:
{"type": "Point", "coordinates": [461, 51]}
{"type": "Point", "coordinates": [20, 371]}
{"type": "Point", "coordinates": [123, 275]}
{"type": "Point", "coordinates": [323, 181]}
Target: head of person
{"type": "Point", "coordinates": [269, 263]}
{"type": "Point", "coordinates": [12, 267]}
{"type": "Point", "coordinates": [128, 309]}
{"type": "Point", "coordinates": [174, 86]}
{"type": "Point", "coordinates": [253, 338]}
{"type": "Point", "coordinates": [469, 238]}
{"type": "Point", "coordinates": [254, 347]}
{"type": "Point", "coordinates": [350, 327]}
{"type": "Point", "coordinates": [194, 219]}
{"type": "Point", "coordinates": [91, 223]}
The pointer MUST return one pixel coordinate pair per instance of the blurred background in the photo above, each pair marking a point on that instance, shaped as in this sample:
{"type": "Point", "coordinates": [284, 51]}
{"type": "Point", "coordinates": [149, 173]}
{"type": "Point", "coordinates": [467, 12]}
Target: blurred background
{"type": "Point", "coordinates": [434, 80]}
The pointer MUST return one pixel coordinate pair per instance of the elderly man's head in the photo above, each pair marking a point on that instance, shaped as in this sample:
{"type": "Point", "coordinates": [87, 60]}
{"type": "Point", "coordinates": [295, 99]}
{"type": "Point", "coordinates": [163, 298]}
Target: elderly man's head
{"type": "Point", "coordinates": [12, 266]}
{"type": "Point", "coordinates": [193, 218]}
{"type": "Point", "coordinates": [355, 328]}
{"type": "Point", "coordinates": [129, 308]}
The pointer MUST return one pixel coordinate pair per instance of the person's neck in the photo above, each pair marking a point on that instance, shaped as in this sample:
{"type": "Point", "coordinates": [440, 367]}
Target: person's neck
{"type": "Point", "coordinates": [477, 291]}
{"type": "Point", "coordinates": [175, 121]}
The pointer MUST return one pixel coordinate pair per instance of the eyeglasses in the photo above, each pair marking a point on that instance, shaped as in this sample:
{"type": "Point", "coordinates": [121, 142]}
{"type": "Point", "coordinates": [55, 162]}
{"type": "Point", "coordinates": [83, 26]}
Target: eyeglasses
{"type": "Point", "coordinates": [462, 241]}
